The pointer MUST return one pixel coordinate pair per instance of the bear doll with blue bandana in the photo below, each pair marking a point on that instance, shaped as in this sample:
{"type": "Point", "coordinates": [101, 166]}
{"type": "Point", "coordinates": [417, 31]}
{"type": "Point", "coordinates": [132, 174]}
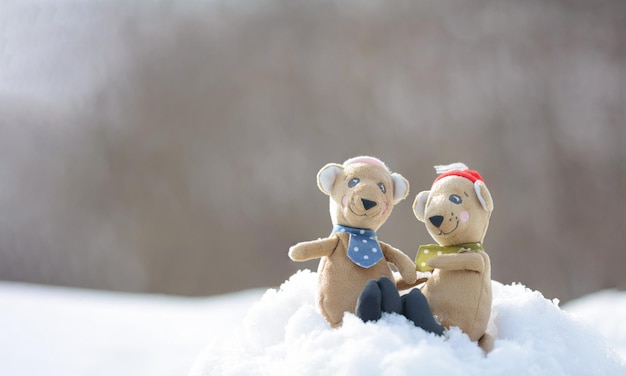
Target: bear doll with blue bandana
{"type": "Point", "coordinates": [363, 192]}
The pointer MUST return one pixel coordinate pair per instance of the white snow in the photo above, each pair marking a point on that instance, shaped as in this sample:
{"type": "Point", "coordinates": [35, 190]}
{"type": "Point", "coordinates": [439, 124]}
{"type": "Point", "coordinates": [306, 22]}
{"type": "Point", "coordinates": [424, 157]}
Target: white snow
{"type": "Point", "coordinates": [606, 312]}
{"type": "Point", "coordinates": [283, 334]}
{"type": "Point", "coordinates": [66, 332]}
{"type": "Point", "coordinates": [61, 331]}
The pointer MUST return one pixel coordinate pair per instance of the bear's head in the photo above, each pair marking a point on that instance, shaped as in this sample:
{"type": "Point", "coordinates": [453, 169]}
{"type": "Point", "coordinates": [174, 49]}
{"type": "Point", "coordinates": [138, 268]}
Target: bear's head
{"type": "Point", "coordinates": [457, 208]}
{"type": "Point", "coordinates": [362, 191]}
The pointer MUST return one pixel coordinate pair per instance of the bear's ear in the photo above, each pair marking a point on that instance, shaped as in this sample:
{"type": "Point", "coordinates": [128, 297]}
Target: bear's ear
{"type": "Point", "coordinates": [419, 205]}
{"type": "Point", "coordinates": [483, 195]}
{"type": "Point", "coordinates": [400, 187]}
{"type": "Point", "coordinates": [326, 177]}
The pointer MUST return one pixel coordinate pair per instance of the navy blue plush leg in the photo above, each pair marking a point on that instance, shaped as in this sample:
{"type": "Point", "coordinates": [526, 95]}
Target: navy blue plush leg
{"type": "Point", "coordinates": [390, 297]}
{"type": "Point", "coordinates": [416, 309]}
{"type": "Point", "coordinates": [368, 306]}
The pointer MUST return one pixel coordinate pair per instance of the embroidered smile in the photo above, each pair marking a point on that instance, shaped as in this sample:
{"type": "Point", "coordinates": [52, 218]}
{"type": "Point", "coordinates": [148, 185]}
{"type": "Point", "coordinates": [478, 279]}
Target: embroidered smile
{"type": "Point", "coordinates": [441, 232]}
{"type": "Point", "coordinates": [357, 214]}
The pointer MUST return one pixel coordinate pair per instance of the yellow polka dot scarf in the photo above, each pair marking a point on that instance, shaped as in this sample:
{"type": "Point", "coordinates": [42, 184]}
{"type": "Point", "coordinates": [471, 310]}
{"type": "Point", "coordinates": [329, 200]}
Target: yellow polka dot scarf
{"type": "Point", "coordinates": [428, 251]}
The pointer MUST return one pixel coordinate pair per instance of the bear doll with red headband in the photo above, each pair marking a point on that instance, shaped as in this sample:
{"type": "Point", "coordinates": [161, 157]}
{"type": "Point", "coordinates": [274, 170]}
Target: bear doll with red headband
{"type": "Point", "coordinates": [456, 212]}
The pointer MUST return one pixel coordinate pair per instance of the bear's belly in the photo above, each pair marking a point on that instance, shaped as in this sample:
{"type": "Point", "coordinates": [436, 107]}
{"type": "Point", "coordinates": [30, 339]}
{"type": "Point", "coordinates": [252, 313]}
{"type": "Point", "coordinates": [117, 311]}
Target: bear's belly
{"type": "Point", "coordinates": [460, 298]}
{"type": "Point", "coordinates": [341, 282]}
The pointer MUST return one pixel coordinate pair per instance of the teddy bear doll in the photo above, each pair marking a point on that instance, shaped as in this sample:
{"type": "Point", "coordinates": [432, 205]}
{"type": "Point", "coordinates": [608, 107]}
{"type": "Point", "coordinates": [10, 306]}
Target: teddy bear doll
{"type": "Point", "coordinates": [363, 192]}
{"type": "Point", "coordinates": [456, 211]}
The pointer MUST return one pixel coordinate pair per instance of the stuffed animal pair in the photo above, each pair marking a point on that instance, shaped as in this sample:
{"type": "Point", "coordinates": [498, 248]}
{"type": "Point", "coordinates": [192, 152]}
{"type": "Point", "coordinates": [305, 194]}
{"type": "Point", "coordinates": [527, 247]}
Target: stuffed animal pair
{"type": "Point", "coordinates": [354, 273]}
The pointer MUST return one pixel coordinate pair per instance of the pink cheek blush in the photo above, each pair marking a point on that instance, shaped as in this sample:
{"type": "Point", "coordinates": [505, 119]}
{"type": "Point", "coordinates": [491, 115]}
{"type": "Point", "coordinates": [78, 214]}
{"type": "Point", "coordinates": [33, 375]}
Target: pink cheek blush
{"type": "Point", "coordinates": [344, 201]}
{"type": "Point", "coordinates": [464, 216]}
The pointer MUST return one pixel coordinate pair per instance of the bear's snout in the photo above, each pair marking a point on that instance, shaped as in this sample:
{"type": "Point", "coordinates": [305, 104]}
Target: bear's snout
{"type": "Point", "coordinates": [436, 220]}
{"type": "Point", "coordinates": [368, 204]}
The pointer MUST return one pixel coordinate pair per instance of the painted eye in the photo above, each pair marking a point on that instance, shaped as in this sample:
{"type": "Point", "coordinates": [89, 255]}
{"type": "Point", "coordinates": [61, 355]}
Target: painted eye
{"type": "Point", "coordinates": [456, 199]}
{"type": "Point", "coordinates": [382, 187]}
{"type": "Point", "coordinates": [353, 182]}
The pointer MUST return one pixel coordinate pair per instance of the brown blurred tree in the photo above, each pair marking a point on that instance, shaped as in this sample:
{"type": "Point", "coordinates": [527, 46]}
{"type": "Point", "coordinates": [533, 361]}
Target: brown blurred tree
{"type": "Point", "coordinates": [172, 147]}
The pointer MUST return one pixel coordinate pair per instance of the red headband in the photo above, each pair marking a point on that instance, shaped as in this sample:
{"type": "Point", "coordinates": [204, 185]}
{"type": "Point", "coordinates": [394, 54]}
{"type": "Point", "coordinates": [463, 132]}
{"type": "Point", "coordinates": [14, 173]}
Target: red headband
{"type": "Point", "coordinates": [471, 175]}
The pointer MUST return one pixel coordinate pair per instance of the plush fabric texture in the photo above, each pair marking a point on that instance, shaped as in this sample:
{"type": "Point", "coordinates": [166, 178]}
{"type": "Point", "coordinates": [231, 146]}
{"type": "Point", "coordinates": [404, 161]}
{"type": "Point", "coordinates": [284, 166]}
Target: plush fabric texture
{"type": "Point", "coordinates": [363, 247]}
{"type": "Point", "coordinates": [362, 194]}
{"type": "Point", "coordinates": [456, 211]}
{"type": "Point", "coordinates": [428, 251]}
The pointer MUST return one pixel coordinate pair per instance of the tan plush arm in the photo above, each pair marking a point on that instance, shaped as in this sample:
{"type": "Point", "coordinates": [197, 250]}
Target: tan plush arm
{"type": "Point", "coordinates": [458, 261]}
{"type": "Point", "coordinates": [401, 284]}
{"type": "Point", "coordinates": [313, 249]}
{"type": "Point", "coordinates": [405, 265]}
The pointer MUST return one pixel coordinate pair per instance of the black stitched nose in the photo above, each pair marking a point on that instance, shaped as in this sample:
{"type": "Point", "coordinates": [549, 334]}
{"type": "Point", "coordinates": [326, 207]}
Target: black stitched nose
{"type": "Point", "coordinates": [367, 204]}
{"type": "Point", "coordinates": [436, 220]}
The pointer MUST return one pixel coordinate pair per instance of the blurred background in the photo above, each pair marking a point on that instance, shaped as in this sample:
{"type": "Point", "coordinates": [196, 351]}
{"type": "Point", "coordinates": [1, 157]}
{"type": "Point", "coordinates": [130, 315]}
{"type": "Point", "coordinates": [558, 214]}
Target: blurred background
{"type": "Point", "coordinates": [172, 146]}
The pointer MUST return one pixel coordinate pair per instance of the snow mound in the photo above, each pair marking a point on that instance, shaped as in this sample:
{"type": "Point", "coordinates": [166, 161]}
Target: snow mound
{"type": "Point", "coordinates": [605, 310]}
{"type": "Point", "coordinates": [60, 331]}
{"type": "Point", "coordinates": [283, 334]}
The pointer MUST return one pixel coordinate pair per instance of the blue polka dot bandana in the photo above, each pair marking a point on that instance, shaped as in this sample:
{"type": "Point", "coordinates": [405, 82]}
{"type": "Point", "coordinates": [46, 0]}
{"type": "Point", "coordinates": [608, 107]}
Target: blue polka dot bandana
{"type": "Point", "coordinates": [363, 247]}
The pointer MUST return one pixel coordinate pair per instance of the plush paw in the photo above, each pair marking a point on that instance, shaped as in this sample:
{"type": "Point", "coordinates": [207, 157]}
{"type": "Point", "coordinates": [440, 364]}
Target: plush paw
{"type": "Point", "coordinates": [416, 309]}
{"type": "Point", "coordinates": [390, 297]}
{"type": "Point", "coordinates": [378, 297]}
{"type": "Point", "coordinates": [368, 306]}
